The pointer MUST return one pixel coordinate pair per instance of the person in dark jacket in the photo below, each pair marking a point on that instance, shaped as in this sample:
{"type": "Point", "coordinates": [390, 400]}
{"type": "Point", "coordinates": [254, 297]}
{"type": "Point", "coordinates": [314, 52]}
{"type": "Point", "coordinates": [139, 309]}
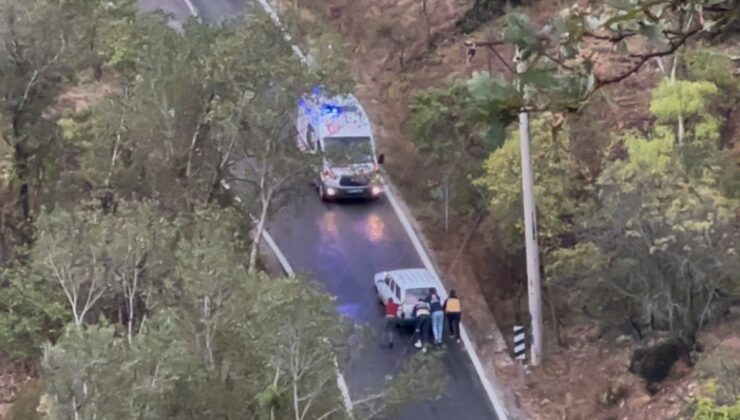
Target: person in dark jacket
{"type": "Point", "coordinates": [438, 314]}
{"type": "Point", "coordinates": [453, 312]}
{"type": "Point", "coordinates": [421, 314]}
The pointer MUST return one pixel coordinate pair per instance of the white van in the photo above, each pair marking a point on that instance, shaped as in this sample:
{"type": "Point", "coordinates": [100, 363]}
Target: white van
{"type": "Point", "coordinates": [406, 287]}
{"type": "Point", "coordinates": [338, 129]}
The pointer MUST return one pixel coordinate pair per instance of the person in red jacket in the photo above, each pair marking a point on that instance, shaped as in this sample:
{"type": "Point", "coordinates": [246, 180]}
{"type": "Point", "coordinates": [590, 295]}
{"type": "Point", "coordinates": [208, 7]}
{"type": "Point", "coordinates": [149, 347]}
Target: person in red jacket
{"type": "Point", "coordinates": [391, 320]}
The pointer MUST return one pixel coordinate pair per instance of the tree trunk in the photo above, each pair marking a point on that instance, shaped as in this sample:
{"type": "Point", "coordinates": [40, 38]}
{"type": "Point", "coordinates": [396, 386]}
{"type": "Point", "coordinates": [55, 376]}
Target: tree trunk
{"type": "Point", "coordinates": [259, 229]}
{"type": "Point", "coordinates": [21, 172]}
{"type": "Point", "coordinates": [428, 24]}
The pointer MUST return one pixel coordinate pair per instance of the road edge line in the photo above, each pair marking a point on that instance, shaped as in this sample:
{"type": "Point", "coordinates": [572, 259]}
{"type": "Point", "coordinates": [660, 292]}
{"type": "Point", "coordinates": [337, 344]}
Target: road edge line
{"type": "Point", "coordinates": [496, 401]}
{"type": "Point", "coordinates": [192, 8]}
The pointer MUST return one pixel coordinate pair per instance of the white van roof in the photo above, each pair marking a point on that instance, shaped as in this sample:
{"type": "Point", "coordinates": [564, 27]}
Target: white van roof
{"type": "Point", "coordinates": [413, 278]}
{"type": "Point", "coordinates": [338, 116]}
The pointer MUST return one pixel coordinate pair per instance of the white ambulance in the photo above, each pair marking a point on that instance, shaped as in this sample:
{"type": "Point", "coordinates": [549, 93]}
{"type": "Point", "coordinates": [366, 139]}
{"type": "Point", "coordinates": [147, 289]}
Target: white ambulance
{"type": "Point", "coordinates": [337, 128]}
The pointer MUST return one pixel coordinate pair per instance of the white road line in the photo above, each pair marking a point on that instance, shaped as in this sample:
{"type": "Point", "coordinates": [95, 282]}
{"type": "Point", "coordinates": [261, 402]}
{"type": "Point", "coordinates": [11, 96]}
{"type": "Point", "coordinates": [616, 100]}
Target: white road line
{"type": "Point", "coordinates": [192, 8]}
{"type": "Point", "coordinates": [275, 250]}
{"type": "Point", "coordinates": [467, 342]}
{"type": "Point", "coordinates": [276, 19]}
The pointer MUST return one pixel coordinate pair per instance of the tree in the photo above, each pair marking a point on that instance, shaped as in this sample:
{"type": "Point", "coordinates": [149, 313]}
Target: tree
{"type": "Point", "coordinates": [70, 251]}
{"type": "Point", "coordinates": [95, 373]}
{"type": "Point", "coordinates": [87, 21]}
{"type": "Point", "coordinates": [559, 186]}
{"type": "Point", "coordinates": [32, 66]}
{"type": "Point", "coordinates": [152, 138]}
{"type": "Point", "coordinates": [137, 240]}
{"type": "Point", "coordinates": [444, 134]}
{"type": "Point", "coordinates": [260, 89]}
{"type": "Point", "coordinates": [661, 245]}
{"type": "Point", "coordinates": [229, 344]}
{"type": "Point", "coordinates": [207, 274]}
{"type": "Point", "coordinates": [32, 312]}
{"type": "Point", "coordinates": [680, 100]}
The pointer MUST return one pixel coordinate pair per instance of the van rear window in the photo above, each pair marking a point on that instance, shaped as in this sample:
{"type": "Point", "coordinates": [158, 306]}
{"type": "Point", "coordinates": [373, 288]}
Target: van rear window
{"type": "Point", "coordinates": [418, 292]}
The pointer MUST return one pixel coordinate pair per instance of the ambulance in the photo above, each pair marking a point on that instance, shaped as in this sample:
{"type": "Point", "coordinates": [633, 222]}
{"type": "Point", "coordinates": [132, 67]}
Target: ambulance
{"type": "Point", "coordinates": [338, 130]}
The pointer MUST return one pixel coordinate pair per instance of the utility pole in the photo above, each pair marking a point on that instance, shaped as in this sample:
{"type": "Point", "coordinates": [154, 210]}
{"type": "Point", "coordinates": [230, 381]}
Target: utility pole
{"type": "Point", "coordinates": [530, 209]}
{"type": "Point", "coordinates": [530, 227]}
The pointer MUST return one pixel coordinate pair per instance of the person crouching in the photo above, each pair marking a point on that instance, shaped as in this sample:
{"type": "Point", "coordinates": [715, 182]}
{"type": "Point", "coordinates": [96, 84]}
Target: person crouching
{"type": "Point", "coordinates": [421, 314]}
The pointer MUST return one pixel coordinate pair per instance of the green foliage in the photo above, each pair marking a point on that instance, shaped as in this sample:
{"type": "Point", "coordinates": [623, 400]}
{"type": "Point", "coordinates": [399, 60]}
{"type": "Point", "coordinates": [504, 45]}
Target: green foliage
{"type": "Point", "coordinates": [721, 369]}
{"type": "Point", "coordinates": [667, 254]}
{"type": "Point", "coordinates": [706, 409]}
{"type": "Point", "coordinates": [687, 106]}
{"type": "Point", "coordinates": [440, 123]}
{"type": "Point", "coordinates": [682, 98]}
{"type": "Point", "coordinates": [558, 185]}
{"type": "Point", "coordinates": [496, 102]}
{"type": "Point", "coordinates": [671, 98]}
{"type": "Point", "coordinates": [32, 311]}
{"type": "Point", "coordinates": [706, 65]}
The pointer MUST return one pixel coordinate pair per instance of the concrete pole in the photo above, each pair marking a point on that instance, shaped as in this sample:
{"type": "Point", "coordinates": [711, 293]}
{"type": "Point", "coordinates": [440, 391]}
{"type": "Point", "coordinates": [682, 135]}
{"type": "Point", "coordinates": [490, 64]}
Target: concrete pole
{"type": "Point", "coordinates": [530, 230]}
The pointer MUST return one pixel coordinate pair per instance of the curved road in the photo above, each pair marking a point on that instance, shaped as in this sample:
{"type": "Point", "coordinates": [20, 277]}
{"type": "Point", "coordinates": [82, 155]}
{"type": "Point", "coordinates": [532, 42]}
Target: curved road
{"type": "Point", "coordinates": [342, 246]}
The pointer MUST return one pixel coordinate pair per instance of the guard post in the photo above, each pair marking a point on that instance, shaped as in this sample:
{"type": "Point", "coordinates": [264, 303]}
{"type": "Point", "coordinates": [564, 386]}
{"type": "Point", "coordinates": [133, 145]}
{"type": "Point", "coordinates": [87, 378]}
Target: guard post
{"type": "Point", "coordinates": [520, 349]}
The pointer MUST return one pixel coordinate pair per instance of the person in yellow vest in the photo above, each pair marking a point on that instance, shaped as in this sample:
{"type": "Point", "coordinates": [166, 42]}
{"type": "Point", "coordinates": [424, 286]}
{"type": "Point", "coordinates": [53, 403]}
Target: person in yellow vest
{"type": "Point", "coordinates": [453, 312]}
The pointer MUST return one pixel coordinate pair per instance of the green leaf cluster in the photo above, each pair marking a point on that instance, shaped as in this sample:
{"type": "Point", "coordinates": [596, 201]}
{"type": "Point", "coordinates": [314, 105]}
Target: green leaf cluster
{"type": "Point", "coordinates": [559, 185]}
{"type": "Point", "coordinates": [706, 409]}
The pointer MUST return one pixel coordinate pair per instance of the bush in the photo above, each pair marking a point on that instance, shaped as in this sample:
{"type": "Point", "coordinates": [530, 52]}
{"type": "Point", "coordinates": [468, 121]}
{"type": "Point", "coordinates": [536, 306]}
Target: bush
{"type": "Point", "coordinates": [707, 409]}
{"type": "Point", "coordinates": [32, 311]}
{"type": "Point", "coordinates": [721, 369]}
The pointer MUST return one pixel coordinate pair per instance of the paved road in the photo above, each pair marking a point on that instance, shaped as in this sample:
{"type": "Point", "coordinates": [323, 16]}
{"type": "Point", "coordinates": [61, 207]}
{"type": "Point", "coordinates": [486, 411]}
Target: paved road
{"type": "Point", "coordinates": [342, 246]}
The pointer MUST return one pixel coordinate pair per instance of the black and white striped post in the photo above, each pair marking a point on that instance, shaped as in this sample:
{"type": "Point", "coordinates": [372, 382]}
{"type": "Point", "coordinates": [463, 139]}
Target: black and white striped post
{"type": "Point", "coordinates": [520, 348]}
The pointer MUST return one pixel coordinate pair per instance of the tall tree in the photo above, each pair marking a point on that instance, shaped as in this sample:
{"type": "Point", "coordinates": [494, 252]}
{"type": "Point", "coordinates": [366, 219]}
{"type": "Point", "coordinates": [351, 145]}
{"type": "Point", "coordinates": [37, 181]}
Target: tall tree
{"type": "Point", "coordinates": [259, 92]}
{"type": "Point", "coordinates": [32, 67]}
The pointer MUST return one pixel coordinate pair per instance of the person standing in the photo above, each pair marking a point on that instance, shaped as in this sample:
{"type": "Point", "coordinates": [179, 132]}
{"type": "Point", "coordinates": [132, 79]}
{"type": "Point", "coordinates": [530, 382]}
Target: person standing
{"type": "Point", "coordinates": [421, 315]}
{"type": "Point", "coordinates": [453, 312]}
{"type": "Point", "coordinates": [391, 321]}
{"type": "Point", "coordinates": [438, 315]}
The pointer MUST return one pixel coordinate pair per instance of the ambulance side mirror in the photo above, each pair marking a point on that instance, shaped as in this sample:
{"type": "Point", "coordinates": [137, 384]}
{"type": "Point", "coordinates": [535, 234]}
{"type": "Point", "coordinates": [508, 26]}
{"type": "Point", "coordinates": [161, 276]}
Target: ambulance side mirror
{"type": "Point", "coordinates": [381, 158]}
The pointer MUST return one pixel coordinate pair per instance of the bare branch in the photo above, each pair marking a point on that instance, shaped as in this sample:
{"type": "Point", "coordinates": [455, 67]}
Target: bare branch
{"type": "Point", "coordinates": [642, 59]}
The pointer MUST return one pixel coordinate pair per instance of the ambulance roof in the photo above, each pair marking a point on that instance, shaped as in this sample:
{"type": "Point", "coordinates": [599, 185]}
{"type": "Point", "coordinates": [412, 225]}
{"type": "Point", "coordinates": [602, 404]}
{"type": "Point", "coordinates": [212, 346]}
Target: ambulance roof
{"type": "Point", "coordinates": [338, 116]}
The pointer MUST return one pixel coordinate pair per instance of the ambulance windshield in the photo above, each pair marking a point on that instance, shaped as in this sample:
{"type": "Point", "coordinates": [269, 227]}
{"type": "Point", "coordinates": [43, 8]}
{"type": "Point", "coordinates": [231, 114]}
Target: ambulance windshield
{"type": "Point", "coordinates": [345, 151]}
